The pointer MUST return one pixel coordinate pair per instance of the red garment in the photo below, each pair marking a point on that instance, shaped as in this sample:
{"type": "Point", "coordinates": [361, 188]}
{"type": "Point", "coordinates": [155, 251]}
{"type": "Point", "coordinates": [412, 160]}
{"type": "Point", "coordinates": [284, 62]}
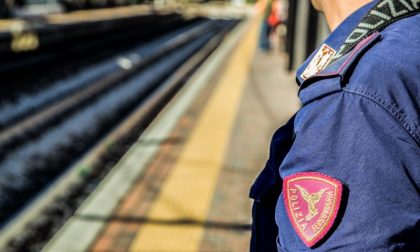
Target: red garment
{"type": "Point", "coordinates": [274, 18]}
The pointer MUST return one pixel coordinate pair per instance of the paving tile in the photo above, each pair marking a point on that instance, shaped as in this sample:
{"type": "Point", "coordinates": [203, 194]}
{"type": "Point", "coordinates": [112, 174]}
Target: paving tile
{"type": "Point", "coordinates": [269, 99]}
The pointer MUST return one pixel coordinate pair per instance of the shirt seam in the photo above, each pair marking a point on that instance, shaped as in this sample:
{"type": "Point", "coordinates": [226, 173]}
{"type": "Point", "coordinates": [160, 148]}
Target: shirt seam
{"type": "Point", "coordinates": [391, 108]}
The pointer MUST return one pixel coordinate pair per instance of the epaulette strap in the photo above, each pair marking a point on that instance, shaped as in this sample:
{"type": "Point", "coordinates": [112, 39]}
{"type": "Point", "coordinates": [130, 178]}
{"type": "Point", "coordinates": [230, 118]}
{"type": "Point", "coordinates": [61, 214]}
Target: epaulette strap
{"type": "Point", "coordinates": [380, 16]}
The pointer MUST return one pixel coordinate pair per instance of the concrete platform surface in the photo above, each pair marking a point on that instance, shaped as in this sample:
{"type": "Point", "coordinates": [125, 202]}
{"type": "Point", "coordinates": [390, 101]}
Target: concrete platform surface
{"type": "Point", "coordinates": [191, 193]}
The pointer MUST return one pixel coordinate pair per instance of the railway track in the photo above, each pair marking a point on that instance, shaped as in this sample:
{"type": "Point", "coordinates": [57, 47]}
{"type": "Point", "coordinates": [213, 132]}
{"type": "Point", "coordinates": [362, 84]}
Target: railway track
{"type": "Point", "coordinates": [91, 117]}
{"type": "Point", "coordinates": [50, 104]}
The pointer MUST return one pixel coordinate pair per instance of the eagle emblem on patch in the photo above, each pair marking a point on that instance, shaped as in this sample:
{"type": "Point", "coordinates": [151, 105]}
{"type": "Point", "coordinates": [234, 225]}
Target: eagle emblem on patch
{"type": "Point", "coordinates": [319, 62]}
{"type": "Point", "coordinates": [312, 200]}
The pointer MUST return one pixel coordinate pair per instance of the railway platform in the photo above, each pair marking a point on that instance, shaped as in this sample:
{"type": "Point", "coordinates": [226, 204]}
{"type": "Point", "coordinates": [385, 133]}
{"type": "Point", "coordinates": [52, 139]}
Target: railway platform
{"type": "Point", "coordinates": [183, 185]}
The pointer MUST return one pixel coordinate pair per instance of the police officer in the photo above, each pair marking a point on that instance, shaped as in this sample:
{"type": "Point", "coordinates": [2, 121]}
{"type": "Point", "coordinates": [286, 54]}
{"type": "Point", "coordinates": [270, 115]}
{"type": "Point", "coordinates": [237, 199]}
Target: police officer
{"type": "Point", "coordinates": [344, 172]}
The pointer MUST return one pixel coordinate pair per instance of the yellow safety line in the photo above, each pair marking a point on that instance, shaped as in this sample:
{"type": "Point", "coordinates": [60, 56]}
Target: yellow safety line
{"type": "Point", "coordinates": [188, 191]}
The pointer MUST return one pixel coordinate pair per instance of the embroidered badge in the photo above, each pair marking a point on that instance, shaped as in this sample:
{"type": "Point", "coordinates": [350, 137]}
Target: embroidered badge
{"type": "Point", "coordinates": [318, 63]}
{"type": "Point", "coordinates": [312, 201]}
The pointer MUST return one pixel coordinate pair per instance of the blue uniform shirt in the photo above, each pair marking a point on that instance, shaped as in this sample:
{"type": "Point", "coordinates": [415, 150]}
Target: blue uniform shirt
{"type": "Point", "coordinates": [359, 125]}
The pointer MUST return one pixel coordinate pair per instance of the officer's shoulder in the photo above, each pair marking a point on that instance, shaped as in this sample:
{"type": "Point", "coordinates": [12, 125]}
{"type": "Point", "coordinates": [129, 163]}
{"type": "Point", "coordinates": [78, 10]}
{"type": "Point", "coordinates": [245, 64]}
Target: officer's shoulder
{"type": "Point", "coordinates": [394, 55]}
{"type": "Point", "coordinates": [388, 72]}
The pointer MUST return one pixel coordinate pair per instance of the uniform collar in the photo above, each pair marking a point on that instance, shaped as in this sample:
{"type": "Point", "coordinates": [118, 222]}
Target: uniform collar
{"type": "Point", "coordinates": [338, 36]}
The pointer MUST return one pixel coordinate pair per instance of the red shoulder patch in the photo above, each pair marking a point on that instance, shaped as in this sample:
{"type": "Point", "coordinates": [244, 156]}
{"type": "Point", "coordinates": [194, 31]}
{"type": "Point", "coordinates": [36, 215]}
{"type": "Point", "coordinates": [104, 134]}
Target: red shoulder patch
{"type": "Point", "coordinates": [312, 201]}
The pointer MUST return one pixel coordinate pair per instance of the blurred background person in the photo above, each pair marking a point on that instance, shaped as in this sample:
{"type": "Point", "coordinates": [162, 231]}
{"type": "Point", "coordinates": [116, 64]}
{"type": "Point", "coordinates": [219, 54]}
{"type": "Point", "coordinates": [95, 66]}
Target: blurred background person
{"type": "Point", "coordinates": [271, 19]}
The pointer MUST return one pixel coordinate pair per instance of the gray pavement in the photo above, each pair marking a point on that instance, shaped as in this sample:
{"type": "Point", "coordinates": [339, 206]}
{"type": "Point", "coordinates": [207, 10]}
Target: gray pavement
{"type": "Point", "coordinates": [269, 99]}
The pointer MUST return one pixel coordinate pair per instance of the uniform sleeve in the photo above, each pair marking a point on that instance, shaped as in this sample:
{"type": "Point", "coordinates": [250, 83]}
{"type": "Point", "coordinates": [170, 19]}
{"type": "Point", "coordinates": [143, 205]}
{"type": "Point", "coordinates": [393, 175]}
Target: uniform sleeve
{"type": "Point", "coordinates": [354, 140]}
